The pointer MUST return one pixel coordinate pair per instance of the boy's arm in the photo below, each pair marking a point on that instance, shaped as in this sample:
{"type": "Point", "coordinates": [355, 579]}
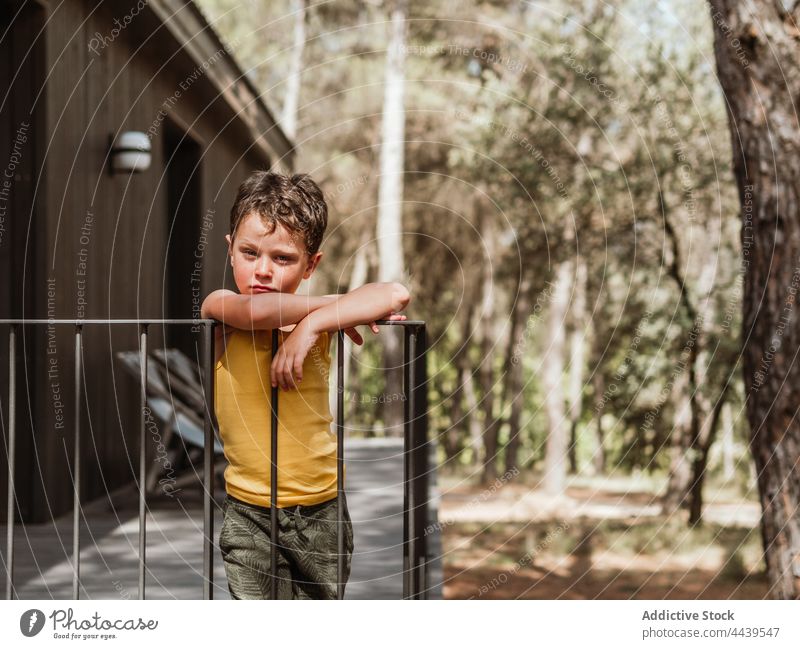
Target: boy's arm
{"type": "Point", "coordinates": [363, 305]}
{"type": "Point", "coordinates": [261, 310]}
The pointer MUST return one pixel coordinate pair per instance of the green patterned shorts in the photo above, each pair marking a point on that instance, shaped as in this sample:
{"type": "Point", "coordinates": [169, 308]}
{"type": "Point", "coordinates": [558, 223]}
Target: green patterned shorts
{"type": "Point", "coordinates": [307, 549]}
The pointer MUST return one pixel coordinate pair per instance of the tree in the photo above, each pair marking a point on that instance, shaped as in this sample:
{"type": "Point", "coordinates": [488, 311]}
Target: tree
{"type": "Point", "coordinates": [758, 57]}
{"type": "Point", "coordinates": [290, 101]}
{"type": "Point", "coordinates": [390, 199]}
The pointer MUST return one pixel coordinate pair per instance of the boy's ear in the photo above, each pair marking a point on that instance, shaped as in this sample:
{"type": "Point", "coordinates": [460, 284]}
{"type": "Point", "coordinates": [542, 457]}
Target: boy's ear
{"type": "Point", "coordinates": [313, 262]}
{"type": "Point", "coordinates": [230, 247]}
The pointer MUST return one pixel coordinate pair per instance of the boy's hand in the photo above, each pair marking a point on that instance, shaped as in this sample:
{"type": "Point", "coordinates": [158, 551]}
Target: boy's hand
{"type": "Point", "coordinates": [286, 370]}
{"type": "Point", "coordinates": [287, 366]}
{"type": "Point", "coordinates": [352, 332]}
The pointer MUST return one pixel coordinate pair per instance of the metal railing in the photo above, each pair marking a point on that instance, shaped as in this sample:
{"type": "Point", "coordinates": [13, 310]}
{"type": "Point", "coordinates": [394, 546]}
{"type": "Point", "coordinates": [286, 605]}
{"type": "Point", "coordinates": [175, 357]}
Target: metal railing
{"type": "Point", "coordinates": [415, 450]}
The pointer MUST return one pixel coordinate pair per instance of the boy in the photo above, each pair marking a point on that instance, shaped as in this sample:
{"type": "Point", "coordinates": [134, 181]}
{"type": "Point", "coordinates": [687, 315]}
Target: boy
{"type": "Point", "coordinates": [277, 225]}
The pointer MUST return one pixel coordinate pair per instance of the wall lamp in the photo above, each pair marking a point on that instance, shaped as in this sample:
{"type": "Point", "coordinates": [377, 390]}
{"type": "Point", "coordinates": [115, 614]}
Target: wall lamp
{"type": "Point", "coordinates": [130, 152]}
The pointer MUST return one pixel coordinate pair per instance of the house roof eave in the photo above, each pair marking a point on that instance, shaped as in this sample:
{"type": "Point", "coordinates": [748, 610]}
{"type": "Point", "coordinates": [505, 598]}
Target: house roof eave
{"type": "Point", "coordinates": [186, 23]}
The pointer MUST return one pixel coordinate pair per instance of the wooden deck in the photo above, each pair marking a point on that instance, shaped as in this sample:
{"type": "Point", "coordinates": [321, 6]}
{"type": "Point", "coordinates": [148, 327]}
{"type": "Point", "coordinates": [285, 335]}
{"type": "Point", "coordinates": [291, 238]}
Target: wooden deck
{"type": "Point", "coordinates": [109, 540]}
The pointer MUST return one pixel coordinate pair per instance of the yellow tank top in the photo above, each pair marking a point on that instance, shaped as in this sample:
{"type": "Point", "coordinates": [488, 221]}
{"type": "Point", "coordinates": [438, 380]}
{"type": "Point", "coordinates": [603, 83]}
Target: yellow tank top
{"type": "Point", "coordinates": [306, 443]}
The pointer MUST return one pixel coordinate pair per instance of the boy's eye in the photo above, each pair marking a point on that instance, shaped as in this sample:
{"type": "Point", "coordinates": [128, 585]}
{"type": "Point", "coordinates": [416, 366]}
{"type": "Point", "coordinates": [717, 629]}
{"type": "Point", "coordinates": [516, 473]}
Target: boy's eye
{"type": "Point", "coordinates": [283, 259]}
{"type": "Point", "coordinates": [250, 252]}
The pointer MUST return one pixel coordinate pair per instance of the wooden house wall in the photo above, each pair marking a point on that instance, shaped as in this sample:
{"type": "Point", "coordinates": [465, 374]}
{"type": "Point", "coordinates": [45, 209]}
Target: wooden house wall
{"type": "Point", "coordinates": [103, 237]}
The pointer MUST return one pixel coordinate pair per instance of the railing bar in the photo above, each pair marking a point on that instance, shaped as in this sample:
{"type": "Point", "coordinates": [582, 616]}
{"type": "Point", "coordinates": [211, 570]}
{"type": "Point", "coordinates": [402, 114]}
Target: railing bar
{"type": "Point", "coordinates": [76, 470]}
{"type": "Point", "coordinates": [209, 356]}
{"type": "Point", "coordinates": [142, 456]}
{"type": "Point", "coordinates": [406, 475]}
{"type": "Point", "coordinates": [421, 425]}
{"type": "Point", "coordinates": [340, 464]}
{"type": "Point", "coordinates": [412, 469]}
{"type": "Point", "coordinates": [12, 446]}
{"type": "Point", "coordinates": [273, 484]}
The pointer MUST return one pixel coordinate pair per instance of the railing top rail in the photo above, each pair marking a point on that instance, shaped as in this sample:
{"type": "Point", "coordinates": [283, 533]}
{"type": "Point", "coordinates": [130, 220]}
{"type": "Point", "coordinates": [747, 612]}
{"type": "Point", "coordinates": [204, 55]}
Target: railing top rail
{"type": "Point", "coordinates": [85, 321]}
{"type": "Point", "coordinates": [187, 321]}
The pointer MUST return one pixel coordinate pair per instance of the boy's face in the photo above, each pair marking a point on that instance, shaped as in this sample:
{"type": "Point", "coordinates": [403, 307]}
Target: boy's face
{"type": "Point", "coordinates": [263, 261]}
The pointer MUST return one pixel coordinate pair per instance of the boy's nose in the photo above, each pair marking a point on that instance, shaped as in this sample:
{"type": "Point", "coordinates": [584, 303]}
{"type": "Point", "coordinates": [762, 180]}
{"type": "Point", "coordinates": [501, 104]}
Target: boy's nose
{"type": "Point", "coordinates": [264, 269]}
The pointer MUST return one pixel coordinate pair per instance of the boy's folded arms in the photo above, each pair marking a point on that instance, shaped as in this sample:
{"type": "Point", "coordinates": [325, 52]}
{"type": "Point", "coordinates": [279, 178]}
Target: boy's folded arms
{"type": "Point", "coordinates": [363, 305]}
{"type": "Point", "coordinates": [260, 310]}
{"type": "Point", "coordinates": [272, 310]}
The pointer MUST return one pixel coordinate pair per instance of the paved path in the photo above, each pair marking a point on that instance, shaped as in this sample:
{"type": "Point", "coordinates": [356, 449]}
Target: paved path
{"type": "Point", "coordinates": [109, 540]}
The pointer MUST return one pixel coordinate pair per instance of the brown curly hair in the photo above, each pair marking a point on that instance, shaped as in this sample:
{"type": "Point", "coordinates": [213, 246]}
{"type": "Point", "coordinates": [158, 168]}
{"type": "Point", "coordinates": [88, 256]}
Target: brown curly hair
{"type": "Point", "coordinates": [295, 202]}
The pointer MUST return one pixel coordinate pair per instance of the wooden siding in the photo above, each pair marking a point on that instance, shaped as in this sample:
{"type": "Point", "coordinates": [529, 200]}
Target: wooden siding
{"type": "Point", "coordinates": [124, 222]}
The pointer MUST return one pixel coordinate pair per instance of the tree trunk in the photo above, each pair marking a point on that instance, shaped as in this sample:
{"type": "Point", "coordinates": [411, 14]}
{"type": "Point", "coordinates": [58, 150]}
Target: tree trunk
{"type": "Point", "coordinates": [700, 464]}
{"type": "Point", "coordinates": [689, 451]}
{"type": "Point", "coordinates": [555, 476]}
{"type": "Point", "coordinates": [577, 353]}
{"type": "Point", "coordinates": [488, 345]}
{"type": "Point", "coordinates": [598, 463]}
{"type": "Point", "coordinates": [728, 445]}
{"type": "Point", "coordinates": [453, 439]}
{"type": "Point", "coordinates": [290, 102]}
{"type": "Point", "coordinates": [758, 55]}
{"type": "Point", "coordinates": [676, 493]}
{"type": "Point", "coordinates": [475, 437]}
{"type": "Point", "coordinates": [390, 206]}
{"type": "Point", "coordinates": [518, 343]}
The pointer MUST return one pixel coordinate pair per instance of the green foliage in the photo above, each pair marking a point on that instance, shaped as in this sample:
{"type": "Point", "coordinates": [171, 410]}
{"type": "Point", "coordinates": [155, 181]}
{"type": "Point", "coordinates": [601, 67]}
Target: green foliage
{"type": "Point", "coordinates": [569, 126]}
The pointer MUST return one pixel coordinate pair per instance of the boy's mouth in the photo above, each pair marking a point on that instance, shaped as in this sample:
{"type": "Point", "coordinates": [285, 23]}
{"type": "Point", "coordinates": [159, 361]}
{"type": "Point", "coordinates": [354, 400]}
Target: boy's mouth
{"type": "Point", "coordinates": [262, 289]}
